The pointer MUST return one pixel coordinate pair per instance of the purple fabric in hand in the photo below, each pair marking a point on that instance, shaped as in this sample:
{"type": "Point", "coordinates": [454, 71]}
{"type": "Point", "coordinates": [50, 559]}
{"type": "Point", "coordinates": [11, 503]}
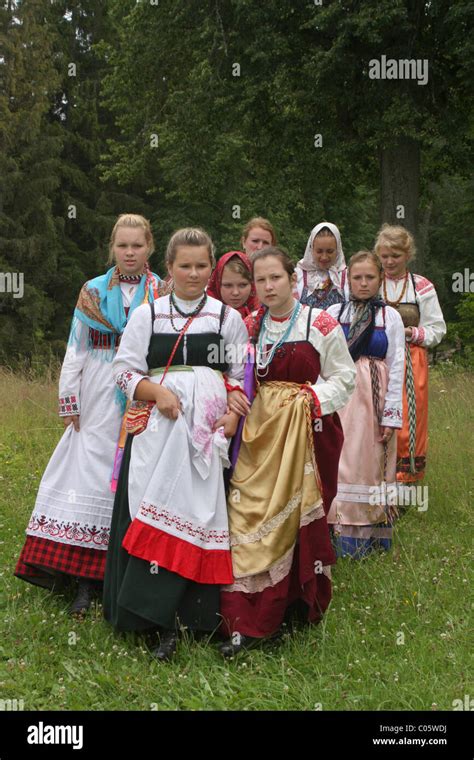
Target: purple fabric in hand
{"type": "Point", "coordinates": [249, 388]}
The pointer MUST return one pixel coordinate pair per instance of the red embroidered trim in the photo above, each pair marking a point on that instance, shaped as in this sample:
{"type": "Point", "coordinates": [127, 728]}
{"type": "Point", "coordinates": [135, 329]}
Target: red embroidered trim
{"type": "Point", "coordinates": [69, 531]}
{"type": "Point", "coordinates": [417, 335]}
{"type": "Point", "coordinates": [177, 555]}
{"type": "Point", "coordinates": [126, 377]}
{"type": "Point", "coordinates": [422, 285]}
{"type": "Point", "coordinates": [168, 519]}
{"type": "Point", "coordinates": [392, 413]}
{"type": "Point", "coordinates": [102, 340]}
{"type": "Point", "coordinates": [68, 405]}
{"type": "Point", "coordinates": [325, 323]}
{"type": "Point", "coordinates": [201, 314]}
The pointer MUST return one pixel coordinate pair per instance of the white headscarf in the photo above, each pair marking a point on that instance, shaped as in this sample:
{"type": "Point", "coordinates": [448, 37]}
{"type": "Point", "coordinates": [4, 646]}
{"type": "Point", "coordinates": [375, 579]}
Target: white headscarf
{"type": "Point", "coordinates": [317, 278]}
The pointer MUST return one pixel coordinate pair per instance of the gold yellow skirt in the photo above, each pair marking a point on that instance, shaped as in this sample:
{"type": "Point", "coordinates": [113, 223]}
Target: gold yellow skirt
{"type": "Point", "coordinates": [275, 486]}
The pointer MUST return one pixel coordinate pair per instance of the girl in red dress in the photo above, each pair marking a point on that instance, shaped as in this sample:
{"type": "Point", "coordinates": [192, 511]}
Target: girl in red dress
{"type": "Point", "coordinates": [285, 476]}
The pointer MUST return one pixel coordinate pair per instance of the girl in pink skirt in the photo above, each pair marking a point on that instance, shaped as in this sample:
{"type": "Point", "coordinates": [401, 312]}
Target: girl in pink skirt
{"type": "Point", "coordinates": [362, 512]}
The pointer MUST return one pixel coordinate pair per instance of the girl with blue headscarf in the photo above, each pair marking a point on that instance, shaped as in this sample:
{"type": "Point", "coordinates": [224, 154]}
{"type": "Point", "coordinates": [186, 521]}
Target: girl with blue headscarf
{"type": "Point", "coordinates": [68, 532]}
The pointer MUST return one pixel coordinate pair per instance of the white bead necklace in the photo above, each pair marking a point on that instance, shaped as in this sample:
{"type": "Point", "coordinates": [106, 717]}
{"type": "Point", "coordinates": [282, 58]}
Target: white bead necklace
{"type": "Point", "coordinates": [264, 356]}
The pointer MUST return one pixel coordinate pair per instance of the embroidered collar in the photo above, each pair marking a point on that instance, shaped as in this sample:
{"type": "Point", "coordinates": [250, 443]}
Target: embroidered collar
{"type": "Point", "coordinates": [130, 277]}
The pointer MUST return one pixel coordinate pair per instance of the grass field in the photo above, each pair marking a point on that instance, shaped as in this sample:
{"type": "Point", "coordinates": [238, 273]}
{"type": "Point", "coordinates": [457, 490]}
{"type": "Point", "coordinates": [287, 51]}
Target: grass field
{"type": "Point", "coordinates": [396, 636]}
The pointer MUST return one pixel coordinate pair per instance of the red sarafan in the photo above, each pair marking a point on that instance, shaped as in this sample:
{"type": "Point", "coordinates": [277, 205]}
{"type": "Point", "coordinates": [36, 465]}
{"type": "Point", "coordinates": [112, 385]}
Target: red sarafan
{"type": "Point", "coordinates": [286, 462]}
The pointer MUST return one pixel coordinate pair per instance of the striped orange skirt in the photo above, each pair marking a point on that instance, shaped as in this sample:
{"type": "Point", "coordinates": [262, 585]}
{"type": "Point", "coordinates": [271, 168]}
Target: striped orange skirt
{"type": "Point", "coordinates": [411, 455]}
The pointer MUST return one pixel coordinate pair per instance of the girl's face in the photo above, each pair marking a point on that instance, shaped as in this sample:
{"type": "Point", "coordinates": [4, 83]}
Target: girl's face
{"type": "Point", "coordinates": [190, 271]}
{"type": "Point", "coordinates": [235, 289]}
{"type": "Point", "coordinates": [256, 239]}
{"type": "Point", "coordinates": [130, 249]}
{"type": "Point", "coordinates": [273, 284]}
{"type": "Point", "coordinates": [324, 251]}
{"type": "Point", "coordinates": [393, 261]}
{"type": "Point", "coordinates": [364, 280]}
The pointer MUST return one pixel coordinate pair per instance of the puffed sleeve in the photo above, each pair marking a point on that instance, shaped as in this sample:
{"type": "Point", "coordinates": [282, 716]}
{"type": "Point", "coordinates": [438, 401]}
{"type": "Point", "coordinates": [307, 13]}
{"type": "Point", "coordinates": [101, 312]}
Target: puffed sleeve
{"type": "Point", "coordinates": [130, 365]}
{"type": "Point", "coordinates": [432, 327]}
{"type": "Point", "coordinates": [235, 337]}
{"type": "Point", "coordinates": [71, 370]}
{"type": "Point", "coordinates": [395, 360]}
{"type": "Point", "coordinates": [337, 368]}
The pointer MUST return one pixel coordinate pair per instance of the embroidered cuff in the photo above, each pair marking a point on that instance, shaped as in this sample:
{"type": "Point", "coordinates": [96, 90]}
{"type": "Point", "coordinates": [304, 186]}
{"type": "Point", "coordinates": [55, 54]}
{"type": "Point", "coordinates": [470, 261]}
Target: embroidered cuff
{"type": "Point", "coordinates": [68, 405]}
{"type": "Point", "coordinates": [392, 417]}
{"type": "Point", "coordinates": [417, 335]}
{"type": "Point", "coordinates": [128, 380]}
{"type": "Point", "coordinates": [230, 387]}
{"type": "Point", "coordinates": [316, 409]}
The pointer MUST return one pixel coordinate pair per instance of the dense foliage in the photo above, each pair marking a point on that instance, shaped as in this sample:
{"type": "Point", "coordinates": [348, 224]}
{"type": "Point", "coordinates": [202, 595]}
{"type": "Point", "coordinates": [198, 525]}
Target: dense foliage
{"type": "Point", "coordinates": [209, 113]}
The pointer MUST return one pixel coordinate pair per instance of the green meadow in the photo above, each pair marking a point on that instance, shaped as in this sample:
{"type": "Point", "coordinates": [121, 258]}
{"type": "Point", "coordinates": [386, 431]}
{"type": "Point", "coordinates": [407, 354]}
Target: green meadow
{"type": "Point", "coordinates": [397, 634]}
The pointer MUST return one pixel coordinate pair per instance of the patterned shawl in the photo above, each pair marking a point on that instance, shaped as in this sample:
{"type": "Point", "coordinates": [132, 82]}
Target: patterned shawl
{"type": "Point", "coordinates": [100, 304]}
{"type": "Point", "coordinates": [362, 325]}
{"type": "Point", "coordinates": [100, 307]}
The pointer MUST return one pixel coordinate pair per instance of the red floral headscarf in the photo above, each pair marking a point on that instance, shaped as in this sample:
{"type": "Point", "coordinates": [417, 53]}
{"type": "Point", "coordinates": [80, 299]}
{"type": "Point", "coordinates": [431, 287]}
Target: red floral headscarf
{"type": "Point", "coordinates": [214, 286]}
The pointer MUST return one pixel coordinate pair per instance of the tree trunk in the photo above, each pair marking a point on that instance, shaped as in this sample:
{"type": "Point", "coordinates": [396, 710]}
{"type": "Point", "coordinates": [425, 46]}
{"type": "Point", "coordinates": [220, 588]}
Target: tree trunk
{"type": "Point", "coordinates": [400, 186]}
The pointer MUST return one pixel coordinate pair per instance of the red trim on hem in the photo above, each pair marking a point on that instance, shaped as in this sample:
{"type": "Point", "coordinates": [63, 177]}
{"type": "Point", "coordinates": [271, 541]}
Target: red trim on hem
{"type": "Point", "coordinates": [40, 557]}
{"type": "Point", "coordinates": [212, 566]}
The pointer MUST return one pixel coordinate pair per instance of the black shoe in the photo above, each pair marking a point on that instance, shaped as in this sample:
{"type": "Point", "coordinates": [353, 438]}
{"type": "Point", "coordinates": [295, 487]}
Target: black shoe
{"type": "Point", "coordinates": [165, 651]}
{"type": "Point", "coordinates": [86, 592]}
{"type": "Point", "coordinates": [238, 643]}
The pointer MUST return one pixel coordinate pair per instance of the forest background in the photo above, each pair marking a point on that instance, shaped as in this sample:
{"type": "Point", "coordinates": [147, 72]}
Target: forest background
{"type": "Point", "coordinates": [208, 113]}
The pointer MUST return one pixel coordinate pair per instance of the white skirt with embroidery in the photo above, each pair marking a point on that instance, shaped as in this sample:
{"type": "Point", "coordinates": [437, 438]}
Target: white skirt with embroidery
{"type": "Point", "coordinates": [74, 502]}
{"type": "Point", "coordinates": [176, 480]}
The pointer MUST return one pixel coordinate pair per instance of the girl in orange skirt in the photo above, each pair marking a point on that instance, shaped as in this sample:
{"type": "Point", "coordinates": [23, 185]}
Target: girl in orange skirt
{"type": "Point", "coordinates": [415, 299]}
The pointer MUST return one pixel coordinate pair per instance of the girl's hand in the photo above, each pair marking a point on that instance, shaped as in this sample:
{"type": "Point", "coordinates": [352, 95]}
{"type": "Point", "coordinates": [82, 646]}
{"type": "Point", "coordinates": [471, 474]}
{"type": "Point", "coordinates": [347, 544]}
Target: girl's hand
{"type": "Point", "coordinates": [238, 402]}
{"type": "Point", "coordinates": [310, 396]}
{"type": "Point", "coordinates": [229, 422]}
{"type": "Point", "coordinates": [72, 420]}
{"type": "Point", "coordinates": [408, 333]}
{"type": "Point", "coordinates": [385, 434]}
{"type": "Point", "coordinates": [167, 403]}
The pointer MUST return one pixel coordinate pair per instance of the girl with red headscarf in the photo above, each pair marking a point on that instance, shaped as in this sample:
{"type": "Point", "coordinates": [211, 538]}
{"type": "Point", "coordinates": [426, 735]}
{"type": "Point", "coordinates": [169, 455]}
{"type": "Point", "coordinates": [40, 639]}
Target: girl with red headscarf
{"type": "Point", "coordinates": [231, 282]}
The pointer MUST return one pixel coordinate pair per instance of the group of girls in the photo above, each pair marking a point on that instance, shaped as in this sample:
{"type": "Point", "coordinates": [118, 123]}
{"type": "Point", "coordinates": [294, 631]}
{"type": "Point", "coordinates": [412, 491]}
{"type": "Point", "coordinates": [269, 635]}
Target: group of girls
{"type": "Point", "coordinates": [321, 372]}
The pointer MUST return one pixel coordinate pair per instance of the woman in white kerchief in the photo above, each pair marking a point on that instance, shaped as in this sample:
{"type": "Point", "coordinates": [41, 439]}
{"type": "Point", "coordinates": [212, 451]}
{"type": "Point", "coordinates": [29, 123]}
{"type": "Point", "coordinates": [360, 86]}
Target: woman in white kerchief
{"type": "Point", "coordinates": [322, 272]}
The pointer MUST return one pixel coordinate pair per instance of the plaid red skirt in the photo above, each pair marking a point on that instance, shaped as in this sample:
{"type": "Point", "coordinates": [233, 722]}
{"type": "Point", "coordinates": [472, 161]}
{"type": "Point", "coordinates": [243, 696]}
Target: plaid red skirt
{"type": "Point", "coordinates": [42, 559]}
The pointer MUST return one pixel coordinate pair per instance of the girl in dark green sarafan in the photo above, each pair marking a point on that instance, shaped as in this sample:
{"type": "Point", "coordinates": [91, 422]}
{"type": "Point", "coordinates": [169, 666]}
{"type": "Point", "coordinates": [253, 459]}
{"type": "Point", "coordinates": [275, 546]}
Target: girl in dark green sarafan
{"type": "Point", "coordinates": [178, 361]}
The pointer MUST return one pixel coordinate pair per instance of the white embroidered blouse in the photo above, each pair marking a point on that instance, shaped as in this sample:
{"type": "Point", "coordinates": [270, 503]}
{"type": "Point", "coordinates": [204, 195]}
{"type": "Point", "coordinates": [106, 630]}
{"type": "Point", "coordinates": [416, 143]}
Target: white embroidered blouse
{"type": "Point", "coordinates": [337, 374]}
{"type": "Point", "coordinates": [130, 365]}
{"type": "Point", "coordinates": [76, 357]}
{"type": "Point", "coordinates": [432, 327]}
